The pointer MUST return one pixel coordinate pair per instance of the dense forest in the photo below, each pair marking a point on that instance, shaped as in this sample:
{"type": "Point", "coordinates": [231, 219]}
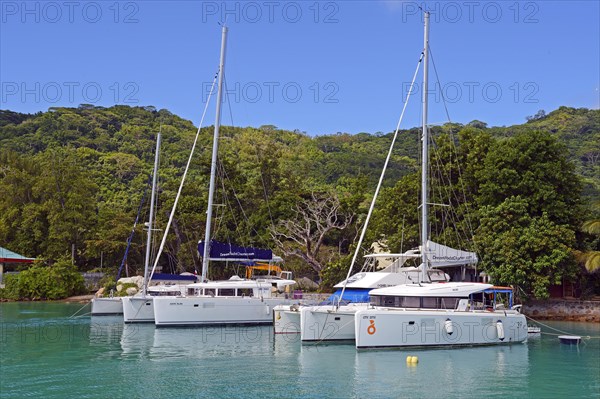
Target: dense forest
{"type": "Point", "coordinates": [524, 197]}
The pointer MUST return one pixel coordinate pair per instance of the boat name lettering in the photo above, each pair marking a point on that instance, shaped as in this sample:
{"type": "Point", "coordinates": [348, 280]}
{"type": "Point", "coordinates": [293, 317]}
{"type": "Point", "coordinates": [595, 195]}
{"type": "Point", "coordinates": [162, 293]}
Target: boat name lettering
{"type": "Point", "coordinates": [448, 257]}
{"type": "Point", "coordinates": [175, 303]}
{"type": "Point", "coordinates": [230, 253]}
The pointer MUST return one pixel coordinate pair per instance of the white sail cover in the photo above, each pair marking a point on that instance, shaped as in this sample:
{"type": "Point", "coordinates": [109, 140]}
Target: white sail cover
{"type": "Point", "coordinates": [442, 256]}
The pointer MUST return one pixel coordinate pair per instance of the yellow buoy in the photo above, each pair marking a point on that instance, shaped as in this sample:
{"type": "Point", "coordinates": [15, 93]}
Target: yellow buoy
{"type": "Point", "coordinates": [412, 360]}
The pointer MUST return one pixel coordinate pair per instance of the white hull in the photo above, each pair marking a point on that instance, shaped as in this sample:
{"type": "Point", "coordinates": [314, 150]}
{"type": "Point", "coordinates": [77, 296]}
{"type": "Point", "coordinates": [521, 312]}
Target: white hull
{"type": "Point", "coordinates": [399, 328]}
{"type": "Point", "coordinates": [138, 309]}
{"type": "Point", "coordinates": [286, 319]}
{"type": "Point", "coordinates": [207, 310]}
{"type": "Point", "coordinates": [107, 306]}
{"type": "Point", "coordinates": [325, 323]}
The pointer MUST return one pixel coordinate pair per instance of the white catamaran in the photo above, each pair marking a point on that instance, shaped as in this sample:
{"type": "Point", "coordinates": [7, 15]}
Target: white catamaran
{"type": "Point", "coordinates": [334, 321]}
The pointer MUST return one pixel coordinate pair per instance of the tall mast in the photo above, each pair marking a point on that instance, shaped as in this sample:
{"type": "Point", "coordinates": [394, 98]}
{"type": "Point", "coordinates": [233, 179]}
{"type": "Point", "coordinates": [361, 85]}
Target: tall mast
{"type": "Point", "coordinates": [213, 166]}
{"type": "Point", "coordinates": [425, 154]}
{"type": "Point", "coordinates": [151, 217]}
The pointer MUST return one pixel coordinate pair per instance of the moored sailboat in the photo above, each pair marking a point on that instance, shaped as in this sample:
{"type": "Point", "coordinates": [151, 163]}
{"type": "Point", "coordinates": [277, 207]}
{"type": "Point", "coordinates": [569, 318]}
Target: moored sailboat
{"type": "Point", "coordinates": [233, 301]}
{"type": "Point", "coordinates": [427, 313]}
{"type": "Point", "coordinates": [139, 308]}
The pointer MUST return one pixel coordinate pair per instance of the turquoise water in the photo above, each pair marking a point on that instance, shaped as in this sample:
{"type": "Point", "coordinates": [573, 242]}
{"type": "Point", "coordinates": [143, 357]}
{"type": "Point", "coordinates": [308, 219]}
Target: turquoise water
{"type": "Point", "coordinates": [45, 354]}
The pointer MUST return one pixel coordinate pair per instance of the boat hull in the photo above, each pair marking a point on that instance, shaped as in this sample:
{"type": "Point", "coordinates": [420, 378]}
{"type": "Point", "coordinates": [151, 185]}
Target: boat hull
{"type": "Point", "coordinates": [201, 310]}
{"type": "Point", "coordinates": [138, 309]}
{"type": "Point", "coordinates": [399, 328]}
{"type": "Point", "coordinates": [326, 323]}
{"type": "Point", "coordinates": [286, 319]}
{"type": "Point", "coordinates": [107, 306]}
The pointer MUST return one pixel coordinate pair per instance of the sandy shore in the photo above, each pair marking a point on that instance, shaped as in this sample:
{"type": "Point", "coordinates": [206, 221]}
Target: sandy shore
{"type": "Point", "coordinates": [78, 299]}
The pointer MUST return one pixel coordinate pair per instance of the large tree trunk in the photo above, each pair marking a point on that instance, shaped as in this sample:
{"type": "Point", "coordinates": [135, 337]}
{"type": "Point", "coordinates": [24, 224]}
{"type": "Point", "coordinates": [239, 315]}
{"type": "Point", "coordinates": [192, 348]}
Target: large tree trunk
{"type": "Point", "coordinates": [304, 235]}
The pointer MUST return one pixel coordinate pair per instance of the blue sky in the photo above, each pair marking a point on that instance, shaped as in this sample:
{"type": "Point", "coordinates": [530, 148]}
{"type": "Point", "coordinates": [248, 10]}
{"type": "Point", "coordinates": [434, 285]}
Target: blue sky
{"type": "Point", "coordinates": [317, 66]}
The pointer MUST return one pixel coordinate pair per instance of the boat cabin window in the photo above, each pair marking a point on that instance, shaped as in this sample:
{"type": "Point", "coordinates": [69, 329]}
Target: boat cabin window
{"type": "Point", "coordinates": [226, 291]}
{"type": "Point", "coordinates": [390, 301]}
{"type": "Point", "coordinates": [169, 293]}
{"type": "Point", "coordinates": [192, 291]}
{"type": "Point", "coordinates": [245, 292]}
{"type": "Point", "coordinates": [209, 291]}
{"type": "Point", "coordinates": [449, 303]}
{"type": "Point", "coordinates": [412, 302]}
{"type": "Point", "coordinates": [430, 302]}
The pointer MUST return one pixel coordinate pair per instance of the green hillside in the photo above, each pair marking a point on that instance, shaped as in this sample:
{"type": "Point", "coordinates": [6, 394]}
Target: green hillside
{"type": "Point", "coordinates": [75, 177]}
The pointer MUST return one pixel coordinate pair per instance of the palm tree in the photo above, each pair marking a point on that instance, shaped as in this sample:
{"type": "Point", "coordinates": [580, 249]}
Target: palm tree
{"type": "Point", "coordinates": [591, 258]}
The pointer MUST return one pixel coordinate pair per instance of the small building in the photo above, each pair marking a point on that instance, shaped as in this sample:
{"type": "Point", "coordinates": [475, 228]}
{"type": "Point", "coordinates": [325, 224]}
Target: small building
{"type": "Point", "coordinates": [10, 257]}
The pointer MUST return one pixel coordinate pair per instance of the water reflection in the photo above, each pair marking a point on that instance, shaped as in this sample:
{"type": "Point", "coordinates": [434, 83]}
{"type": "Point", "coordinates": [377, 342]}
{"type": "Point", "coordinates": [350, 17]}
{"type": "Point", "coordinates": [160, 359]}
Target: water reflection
{"type": "Point", "coordinates": [452, 371]}
{"type": "Point", "coordinates": [209, 342]}
{"type": "Point", "coordinates": [217, 360]}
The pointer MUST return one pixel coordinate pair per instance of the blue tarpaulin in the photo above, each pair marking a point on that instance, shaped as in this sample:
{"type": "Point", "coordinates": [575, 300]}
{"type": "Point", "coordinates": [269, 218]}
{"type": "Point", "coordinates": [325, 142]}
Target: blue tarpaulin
{"type": "Point", "coordinates": [351, 295]}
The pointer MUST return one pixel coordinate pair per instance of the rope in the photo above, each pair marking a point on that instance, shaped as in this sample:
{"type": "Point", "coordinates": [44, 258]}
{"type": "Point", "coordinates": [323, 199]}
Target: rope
{"type": "Point", "coordinates": [556, 329]}
{"type": "Point", "coordinates": [79, 310]}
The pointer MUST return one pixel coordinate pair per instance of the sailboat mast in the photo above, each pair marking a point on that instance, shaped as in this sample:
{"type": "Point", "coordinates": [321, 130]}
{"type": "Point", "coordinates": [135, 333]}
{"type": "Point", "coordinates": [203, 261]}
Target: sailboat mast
{"type": "Point", "coordinates": [151, 216]}
{"type": "Point", "coordinates": [213, 165]}
{"type": "Point", "coordinates": [425, 154]}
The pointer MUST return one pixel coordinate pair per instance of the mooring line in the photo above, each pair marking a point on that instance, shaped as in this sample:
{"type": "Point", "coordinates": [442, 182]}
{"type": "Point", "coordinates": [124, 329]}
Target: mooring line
{"type": "Point", "coordinates": [85, 314]}
{"type": "Point", "coordinates": [556, 329]}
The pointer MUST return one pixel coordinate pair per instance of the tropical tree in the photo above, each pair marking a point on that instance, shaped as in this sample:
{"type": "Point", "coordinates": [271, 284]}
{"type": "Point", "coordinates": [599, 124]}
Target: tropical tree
{"type": "Point", "coordinates": [519, 249]}
{"type": "Point", "coordinates": [305, 234]}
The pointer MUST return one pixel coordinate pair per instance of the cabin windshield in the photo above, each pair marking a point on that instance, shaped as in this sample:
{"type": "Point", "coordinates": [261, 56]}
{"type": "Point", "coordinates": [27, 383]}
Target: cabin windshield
{"type": "Point", "coordinates": [493, 298]}
{"type": "Point", "coordinates": [437, 276]}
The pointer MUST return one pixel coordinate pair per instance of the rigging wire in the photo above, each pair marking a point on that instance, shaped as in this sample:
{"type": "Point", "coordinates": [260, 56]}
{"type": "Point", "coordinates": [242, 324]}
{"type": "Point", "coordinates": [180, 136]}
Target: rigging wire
{"type": "Point", "coordinates": [156, 194]}
{"type": "Point", "coordinates": [387, 160]}
{"type": "Point", "coordinates": [164, 239]}
{"type": "Point", "coordinates": [224, 176]}
{"type": "Point", "coordinates": [137, 217]}
{"type": "Point", "coordinates": [227, 98]}
{"type": "Point", "coordinates": [468, 229]}
{"type": "Point", "coordinates": [439, 84]}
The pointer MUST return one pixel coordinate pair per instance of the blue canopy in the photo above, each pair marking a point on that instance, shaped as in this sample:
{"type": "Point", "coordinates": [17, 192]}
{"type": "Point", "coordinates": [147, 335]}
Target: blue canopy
{"type": "Point", "coordinates": [226, 251]}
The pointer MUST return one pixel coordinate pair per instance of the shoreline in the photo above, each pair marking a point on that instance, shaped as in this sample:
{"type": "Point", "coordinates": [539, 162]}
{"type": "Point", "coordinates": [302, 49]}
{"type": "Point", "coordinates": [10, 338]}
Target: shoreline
{"type": "Point", "coordinates": [587, 311]}
{"type": "Point", "coordinates": [71, 299]}
{"type": "Point", "coordinates": [584, 311]}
